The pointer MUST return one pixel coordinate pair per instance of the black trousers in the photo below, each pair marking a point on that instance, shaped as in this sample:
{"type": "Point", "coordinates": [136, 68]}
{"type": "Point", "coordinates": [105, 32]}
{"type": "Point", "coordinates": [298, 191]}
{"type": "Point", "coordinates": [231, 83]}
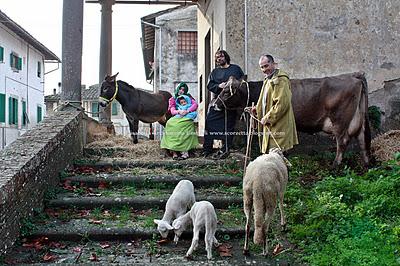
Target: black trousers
{"type": "Point", "coordinates": [215, 129]}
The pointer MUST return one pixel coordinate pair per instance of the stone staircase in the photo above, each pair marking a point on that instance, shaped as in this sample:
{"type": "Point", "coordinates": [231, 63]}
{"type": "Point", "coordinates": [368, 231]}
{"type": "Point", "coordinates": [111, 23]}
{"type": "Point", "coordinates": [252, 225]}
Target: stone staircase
{"type": "Point", "coordinates": [103, 212]}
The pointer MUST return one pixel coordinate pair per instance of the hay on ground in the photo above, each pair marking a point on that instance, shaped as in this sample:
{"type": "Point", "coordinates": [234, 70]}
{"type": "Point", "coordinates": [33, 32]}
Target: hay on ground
{"type": "Point", "coordinates": [144, 150]}
{"type": "Point", "coordinates": [384, 146]}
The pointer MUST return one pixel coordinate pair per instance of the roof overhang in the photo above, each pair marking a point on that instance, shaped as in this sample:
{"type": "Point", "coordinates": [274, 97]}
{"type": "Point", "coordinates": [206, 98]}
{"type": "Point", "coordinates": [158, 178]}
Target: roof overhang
{"type": "Point", "coordinates": [150, 2]}
{"type": "Point", "coordinates": [49, 56]}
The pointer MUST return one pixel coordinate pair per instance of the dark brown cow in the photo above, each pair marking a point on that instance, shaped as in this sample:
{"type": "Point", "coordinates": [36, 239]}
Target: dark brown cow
{"type": "Point", "coordinates": [336, 105]}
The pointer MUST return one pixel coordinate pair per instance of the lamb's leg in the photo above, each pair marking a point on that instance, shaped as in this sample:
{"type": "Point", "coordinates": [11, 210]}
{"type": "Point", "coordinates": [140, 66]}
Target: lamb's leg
{"type": "Point", "coordinates": [195, 241]}
{"type": "Point", "coordinates": [209, 239]}
{"type": "Point", "coordinates": [268, 217]}
{"type": "Point", "coordinates": [283, 220]}
{"type": "Point", "coordinates": [247, 206]}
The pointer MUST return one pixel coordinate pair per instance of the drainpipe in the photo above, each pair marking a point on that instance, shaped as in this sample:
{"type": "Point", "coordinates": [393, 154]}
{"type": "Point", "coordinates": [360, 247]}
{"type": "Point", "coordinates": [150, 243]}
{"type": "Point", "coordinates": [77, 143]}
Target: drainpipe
{"type": "Point", "coordinates": [160, 50]}
{"type": "Point", "coordinates": [27, 88]}
{"type": "Point", "coordinates": [245, 37]}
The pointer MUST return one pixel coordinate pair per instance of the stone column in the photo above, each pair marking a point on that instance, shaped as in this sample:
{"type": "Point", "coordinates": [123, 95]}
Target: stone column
{"type": "Point", "coordinates": [106, 55]}
{"type": "Point", "coordinates": [72, 50]}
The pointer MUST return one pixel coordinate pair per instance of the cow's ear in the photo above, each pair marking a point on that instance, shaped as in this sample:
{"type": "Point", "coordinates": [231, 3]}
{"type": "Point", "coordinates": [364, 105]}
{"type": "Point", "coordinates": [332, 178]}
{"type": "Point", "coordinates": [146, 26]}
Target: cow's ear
{"type": "Point", "coordinates": [107, 77]}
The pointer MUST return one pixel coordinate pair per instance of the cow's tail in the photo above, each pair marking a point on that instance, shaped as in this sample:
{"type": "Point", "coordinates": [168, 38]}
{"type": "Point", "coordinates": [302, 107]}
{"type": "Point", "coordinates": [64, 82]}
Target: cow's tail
{"type": "Point", "coordinates": [364, 106]}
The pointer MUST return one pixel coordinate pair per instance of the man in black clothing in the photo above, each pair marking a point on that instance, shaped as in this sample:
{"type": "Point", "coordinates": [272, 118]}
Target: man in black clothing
{"type": "Point", "coordinates": [216, 127]}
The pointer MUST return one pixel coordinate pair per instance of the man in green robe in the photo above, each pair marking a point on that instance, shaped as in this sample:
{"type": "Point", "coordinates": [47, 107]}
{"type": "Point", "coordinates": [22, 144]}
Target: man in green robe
{"type": "Point", "coordinates": [274, 109]}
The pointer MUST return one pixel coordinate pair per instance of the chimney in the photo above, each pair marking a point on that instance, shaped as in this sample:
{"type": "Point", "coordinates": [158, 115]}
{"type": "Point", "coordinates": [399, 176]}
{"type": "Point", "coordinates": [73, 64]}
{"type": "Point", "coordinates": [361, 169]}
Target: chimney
{"type": "Point", "coordinates": [54, 91]}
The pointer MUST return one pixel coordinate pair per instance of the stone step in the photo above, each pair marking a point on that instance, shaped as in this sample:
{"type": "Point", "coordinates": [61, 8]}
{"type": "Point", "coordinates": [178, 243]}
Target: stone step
{"type": "Point", "coordinates": [121, 163]}
{"type": "Point", "coordinates": [116, 163]}
{"type": "Point", "coordinates": [143, 180]}
{"type": "Point", "coordinates": [73, 232]}
{"type": "Point", "coordinates": [137, 202]}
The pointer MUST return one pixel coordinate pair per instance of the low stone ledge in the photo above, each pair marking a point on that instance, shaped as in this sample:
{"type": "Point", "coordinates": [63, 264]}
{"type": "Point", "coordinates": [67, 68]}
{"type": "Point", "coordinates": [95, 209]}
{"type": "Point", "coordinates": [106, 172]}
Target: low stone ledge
{"type": "Point", "coordinates": [138, 202]}
{"type": "Point", "coordinates": [140, 181]}
{"type": "Point", "coordinates": [120, 163]}
{"type": "Point", "coordinates": [31, 164]}
{"type": "Point", "coordinates": [108, 234]}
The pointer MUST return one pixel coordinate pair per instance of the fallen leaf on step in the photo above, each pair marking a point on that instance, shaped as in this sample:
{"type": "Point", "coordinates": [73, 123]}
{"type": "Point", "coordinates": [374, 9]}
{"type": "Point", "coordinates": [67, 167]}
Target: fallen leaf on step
{"type": "Point", "coordinates": [104, 245]}
{"type": "Point", "coordinates": [49, 257]}
{"type": "Point", "coordinates": [225, 250]}
{"type": "Point", "coordinates": [162, 241]}
{"type": "Point", "coordinates": [93, 221]}
{"type": "Point", "coordinates": [102, 185]}
{"type": "Point", "coordinates": [278, 249]}
{"type": "Point", "coordinates": [77, 249]}
{"type": "Point", "coordinates": [93, 257]}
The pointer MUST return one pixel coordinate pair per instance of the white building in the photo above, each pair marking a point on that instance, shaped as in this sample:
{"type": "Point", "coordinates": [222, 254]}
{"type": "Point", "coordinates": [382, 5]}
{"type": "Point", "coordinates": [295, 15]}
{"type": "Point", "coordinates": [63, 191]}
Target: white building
{"type": "Point", "coordinates": [22, 59]}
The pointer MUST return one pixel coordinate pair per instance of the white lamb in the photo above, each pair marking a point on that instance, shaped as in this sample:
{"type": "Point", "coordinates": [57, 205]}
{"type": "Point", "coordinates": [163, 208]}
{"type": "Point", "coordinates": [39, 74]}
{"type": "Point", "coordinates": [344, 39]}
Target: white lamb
{"type": "Point", "coordinates": [264, 183]}
{"type": "Point", "coordinates": [181, 199]}
{"type": "Point", "coordinates": [202, 215]}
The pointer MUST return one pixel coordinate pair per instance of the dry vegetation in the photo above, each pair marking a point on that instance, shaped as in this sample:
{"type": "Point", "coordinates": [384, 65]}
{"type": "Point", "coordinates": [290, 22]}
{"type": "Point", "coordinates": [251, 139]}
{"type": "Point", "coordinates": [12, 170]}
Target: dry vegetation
{"type": "Point", "coordinates": [145, 149]}
{"type": "Point", "coordinates": [384, 146]}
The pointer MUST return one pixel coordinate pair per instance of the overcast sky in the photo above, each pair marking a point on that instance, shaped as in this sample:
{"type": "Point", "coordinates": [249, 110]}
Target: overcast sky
{"type": "Point", "coordinates": [43, 20]}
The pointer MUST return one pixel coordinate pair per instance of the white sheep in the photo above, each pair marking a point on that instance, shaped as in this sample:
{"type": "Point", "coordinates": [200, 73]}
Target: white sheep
{"type": "Point", "coordinates": [264, 183]}
{"type": "Point", "coordinates": [201, 215]}
{"type": "Point", "coordinates": [181, 199]}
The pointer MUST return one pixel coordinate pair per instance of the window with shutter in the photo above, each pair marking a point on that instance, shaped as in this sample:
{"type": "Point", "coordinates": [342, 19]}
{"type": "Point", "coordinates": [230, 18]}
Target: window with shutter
{"type": "Point", "coordinates": [95, 108]}
{"type": "Point", "coordinates": [114, 108]}
{"type": "Point", "coordinates": [12, 111]}
{"type": "Point", "coordinates": [19, 66]}
{"type": "Point", "coordinates": [39, 69]}
{"type": "Point", "coordinates": [39, 114]}
{"type": "Point", "coordinates": [15, 62]}
{"type": "Point", "coordinates": [2, 108]}
{"type": "Point", "coordinates": [1, 54]}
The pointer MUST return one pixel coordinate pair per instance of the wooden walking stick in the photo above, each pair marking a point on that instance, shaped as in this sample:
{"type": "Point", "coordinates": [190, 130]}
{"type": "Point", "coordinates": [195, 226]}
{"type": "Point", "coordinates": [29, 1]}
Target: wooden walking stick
{"type": "Point", "coordinates": [249, 139]}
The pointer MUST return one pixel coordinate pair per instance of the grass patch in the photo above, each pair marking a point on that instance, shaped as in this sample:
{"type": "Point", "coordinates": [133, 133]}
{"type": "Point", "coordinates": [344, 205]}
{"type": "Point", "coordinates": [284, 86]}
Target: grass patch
{"type": "Point", "coordinates": [232, 217]}
{"type": "Point", "coordinates": [345, 218]}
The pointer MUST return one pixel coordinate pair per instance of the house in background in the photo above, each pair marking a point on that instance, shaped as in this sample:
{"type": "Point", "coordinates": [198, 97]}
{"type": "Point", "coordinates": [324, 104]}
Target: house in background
{"type": "Point", "coordinates": [178, 48]}
{"type": "Point", "coordinates": [22, 59]}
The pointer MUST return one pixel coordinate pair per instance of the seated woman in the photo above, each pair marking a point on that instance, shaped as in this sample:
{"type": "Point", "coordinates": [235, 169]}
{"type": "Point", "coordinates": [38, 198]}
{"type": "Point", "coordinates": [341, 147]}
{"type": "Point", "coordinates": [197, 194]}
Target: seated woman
{"type": "Point", "coordinates": [180, 133]}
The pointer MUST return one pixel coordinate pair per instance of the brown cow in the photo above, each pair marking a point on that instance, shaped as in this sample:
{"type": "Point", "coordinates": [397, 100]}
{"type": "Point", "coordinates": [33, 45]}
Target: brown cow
{"type": "Point", "coordinates": [336, 105]}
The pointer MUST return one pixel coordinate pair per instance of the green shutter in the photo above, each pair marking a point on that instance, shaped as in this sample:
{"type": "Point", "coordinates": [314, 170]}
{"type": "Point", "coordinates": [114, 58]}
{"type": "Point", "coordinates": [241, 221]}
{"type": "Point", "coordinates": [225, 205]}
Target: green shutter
{"type": "Point", "coordinates": [2, 108]}
{"type": "Point", "coordinates": [39, 114]}
{"type": "Point", "coordinates": [95, 108]}
{"type": "Point", "coordinates": [11, 59]}
{"type": "Point", "coordinates": [19, 64]}
{"type": "Point", "coordinates": [12, 111]}
{"type": "Point", "coordinates": [1, 54]}
{"type": "Point", "coordinates": [23, 113]}
{"type": "Point", "coordinates": [114, 108]}
{"type": "Point", "coordinates": [39, 69]}
{"type": "Point", "coordinates": [15, 111]}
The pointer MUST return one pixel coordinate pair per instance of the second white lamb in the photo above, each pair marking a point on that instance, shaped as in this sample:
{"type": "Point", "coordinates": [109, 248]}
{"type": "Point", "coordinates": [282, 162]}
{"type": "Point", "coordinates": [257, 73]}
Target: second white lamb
{"type": "Point", "coordinates": [201, 215]}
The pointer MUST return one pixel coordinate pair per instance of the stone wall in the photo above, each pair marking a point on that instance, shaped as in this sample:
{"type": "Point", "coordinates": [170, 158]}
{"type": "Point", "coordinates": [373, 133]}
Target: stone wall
{"type": "Point", "coordinates": [31, 164]}
{"type": "Point", "coordinates": [312, 38]}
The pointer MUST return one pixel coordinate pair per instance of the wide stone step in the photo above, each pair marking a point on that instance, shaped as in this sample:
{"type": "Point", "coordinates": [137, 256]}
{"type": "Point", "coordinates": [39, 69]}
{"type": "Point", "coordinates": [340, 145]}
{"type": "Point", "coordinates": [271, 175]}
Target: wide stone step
{"type": "Point", "coordinates": [143, 180]}
{"type": "Point", "coordinates": [137, 202]}
{"type": "Point", "coordinates": [120, 163]}
{"type": "Point", "coordinates": [77, 232]}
